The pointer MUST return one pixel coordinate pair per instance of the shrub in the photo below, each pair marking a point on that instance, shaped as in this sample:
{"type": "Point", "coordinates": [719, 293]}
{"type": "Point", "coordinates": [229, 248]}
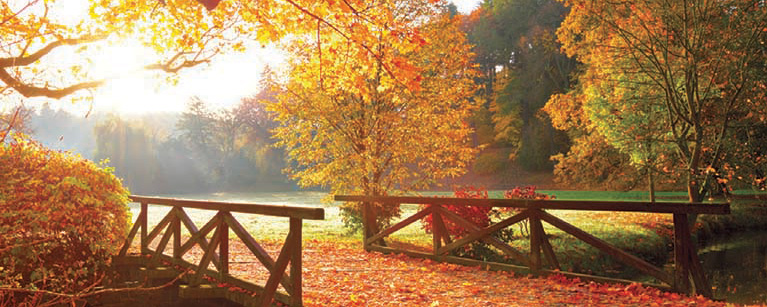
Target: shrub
{"type": "Point", "coordinates": [351, 215]}
{"type": "Point", "coordinates": [479, 215]}
{"type": "Point", "coordinates": [482, 217]}
{"type": "Point", "coordinates": [61, 217]}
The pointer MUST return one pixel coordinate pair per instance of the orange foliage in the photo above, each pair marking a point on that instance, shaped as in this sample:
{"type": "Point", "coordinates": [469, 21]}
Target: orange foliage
{"type": "Point", "coordinates": [61, 217]}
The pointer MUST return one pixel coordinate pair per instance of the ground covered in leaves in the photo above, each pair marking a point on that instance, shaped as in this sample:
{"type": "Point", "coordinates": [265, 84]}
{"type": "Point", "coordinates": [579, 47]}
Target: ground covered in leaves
{"type": "Point", "coordinates": [342, 274]}
{"type": "Point", "coordinates": [337, 272]}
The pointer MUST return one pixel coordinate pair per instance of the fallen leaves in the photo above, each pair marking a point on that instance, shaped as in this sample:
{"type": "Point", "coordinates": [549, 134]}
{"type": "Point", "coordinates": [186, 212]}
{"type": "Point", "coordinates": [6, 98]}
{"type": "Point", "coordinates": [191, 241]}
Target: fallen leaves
{"type": "Point", "coordinates": [341, 273]}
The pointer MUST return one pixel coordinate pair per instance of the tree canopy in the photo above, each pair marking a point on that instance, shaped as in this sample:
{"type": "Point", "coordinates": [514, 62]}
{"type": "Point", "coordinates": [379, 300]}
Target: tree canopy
{"type": "Point", "coordinates": [351, 126]}
{"type": "Point", "coordinates": [182, 33]}
{"type": "Point", "coordinates": [676, 85]}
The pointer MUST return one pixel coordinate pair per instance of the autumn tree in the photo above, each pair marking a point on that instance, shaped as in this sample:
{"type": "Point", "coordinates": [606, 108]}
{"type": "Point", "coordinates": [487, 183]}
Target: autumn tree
{"type": "Point", "coordinates": [348, 125]}
{"type": "Point", "coordinates": [182, 34]}
{"type": "Point", "coordinates": [673, 83]}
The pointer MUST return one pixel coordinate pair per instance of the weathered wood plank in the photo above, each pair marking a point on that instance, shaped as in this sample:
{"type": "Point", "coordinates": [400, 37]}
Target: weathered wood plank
{"type": "Point", "coordinates": [131, 235]}
{"type": "Point", "coordinates": [607, 248]}
{"type": "Point", "coordinates": [253, 246]}
{"type": "Point", "coordinates": [548, 250]}
{"type": "Point", "coordinates": [437, 229]}
{"type": "Point", "coordinates": [484, 232]}
{"type": "Point", "coordinates": [681, 254]}
{"type": "Point", "coordinates": [309, 213]}
{"type": "Point", "coordinates": [249, 286]}
{"type": "Point", "coordinates": [628, 206]}
{"type": "Point", "coordinates": [278, 271]}
{"type": "Point", "coordinates": [508, 250]}
{"type": "Point", "coordinates": [201, 292]}
{"type": "Point", "coordinates": [144, 228]}
{"type": "Point", "coordinates": [535, 240]}
{"type": "Point", "coordinates": [444, 235]}
{"type": "Point", "coordinates": [198, 236]}
{"type": "Point", "coordinates": [223, 248]}
{"type": "Point", "coordinates": [401, 224]}
{"type": "Point", "coordinates": [296, 279]}
{"type": "Point", "coordinates": [163, 243]}
{"type": "Point", "coordinates": [176, 225]}
{"type": "Point", "coordinates": [207, 256]}
{"type": "Point", "coordinates": [160, 226]}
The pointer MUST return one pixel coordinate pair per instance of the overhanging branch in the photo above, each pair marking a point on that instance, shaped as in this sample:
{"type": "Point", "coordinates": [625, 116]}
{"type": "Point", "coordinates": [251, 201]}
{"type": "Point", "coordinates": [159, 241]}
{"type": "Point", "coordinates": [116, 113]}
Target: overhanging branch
{"type": "Point", "coordinates": [34, 57]}
{"type": "Point", "coordinates": [170, 68]}
{"type": "Point", "coordinates": [35, 91]}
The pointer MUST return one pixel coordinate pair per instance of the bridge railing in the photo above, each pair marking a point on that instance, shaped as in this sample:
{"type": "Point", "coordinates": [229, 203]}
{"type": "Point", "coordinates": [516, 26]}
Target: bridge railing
{"type": "Point", "coordinates": [216, 250]}
{"type": "Point", "coordinates": [687, 276]}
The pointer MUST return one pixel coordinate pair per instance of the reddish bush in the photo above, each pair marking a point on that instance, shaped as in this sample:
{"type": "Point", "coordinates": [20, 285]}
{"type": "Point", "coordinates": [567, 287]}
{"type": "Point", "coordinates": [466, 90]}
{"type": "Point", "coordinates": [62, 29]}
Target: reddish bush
{"type": "Point", "coordinates": [527, 192]}
{"type": "Point", "coordinates": [479, 215]}
{"type": "Point", "coordinates": [61, 217]}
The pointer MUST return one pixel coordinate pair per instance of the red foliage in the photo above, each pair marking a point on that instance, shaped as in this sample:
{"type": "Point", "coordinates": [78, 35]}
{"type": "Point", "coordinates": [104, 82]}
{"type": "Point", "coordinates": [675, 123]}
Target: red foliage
{"type": "Point", "coordinates": [527, 192]}
{"type": "Point", "coordinates": [479, 215]}
{"type": "Point", "coordinates": [61, 217]}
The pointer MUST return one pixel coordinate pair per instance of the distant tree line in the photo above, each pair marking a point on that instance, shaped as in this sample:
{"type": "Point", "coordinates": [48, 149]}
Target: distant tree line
{"type": "Point", "coordinates": [223, 150]}
{"type": "Point", "coordinates": [200, 150]}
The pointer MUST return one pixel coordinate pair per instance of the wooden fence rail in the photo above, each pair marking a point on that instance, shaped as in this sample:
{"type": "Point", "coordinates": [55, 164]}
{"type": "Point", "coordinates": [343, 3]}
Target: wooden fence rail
{"type": "Point", "coordinates": [687, 275]}
{"type": "Point", "coordinates": [216, 250]}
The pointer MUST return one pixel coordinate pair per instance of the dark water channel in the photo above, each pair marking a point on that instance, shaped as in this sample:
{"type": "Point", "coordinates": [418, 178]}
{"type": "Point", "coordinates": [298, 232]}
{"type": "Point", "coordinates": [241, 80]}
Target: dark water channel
{"type": "Point", "coordinates": [737, 267]}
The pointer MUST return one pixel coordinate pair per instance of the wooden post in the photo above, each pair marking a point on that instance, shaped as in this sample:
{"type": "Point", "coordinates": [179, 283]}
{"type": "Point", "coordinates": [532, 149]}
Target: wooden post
{"type": "Point", "coordinates": [176, 225]}
{"type": "Point", "coordinates": [278, 270]}
{"type": "Point", "coordinates": [223, 247]}
{"type": "Point", "coordinates": [440, 222]}
{"type": "Point", "coordinates": [548, 250]}
{"type": "Point", "coordinates": [143, 222]}
{"type": "Point", "coordinates": [681, 256]}
{"type": "Point", "coordinates": [370, 224]}
{"type": "Point", "coordinates": [295, 263]}
{"type": "Point", "coordinates": [436, 230]}
{"type": "Point", "coordinates": [365, 225]}
{"type": "Point", "coordinates": [535, 241]}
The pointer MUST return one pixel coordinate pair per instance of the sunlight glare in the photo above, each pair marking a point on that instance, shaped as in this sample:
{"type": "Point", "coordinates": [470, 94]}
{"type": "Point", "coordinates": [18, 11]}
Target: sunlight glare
{"type": "Point", "coordinates": [221, 84]}
{"type": "Point", "coordinates": [119, 59]}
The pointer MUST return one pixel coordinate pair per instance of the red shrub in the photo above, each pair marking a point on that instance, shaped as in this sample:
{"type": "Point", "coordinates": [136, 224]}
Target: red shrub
{"type": "Point", "coordinates": [479, 215]}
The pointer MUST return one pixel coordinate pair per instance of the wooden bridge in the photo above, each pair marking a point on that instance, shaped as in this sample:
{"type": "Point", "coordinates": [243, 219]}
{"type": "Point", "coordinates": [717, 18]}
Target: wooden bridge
{"type": "Point", "coordinates": [687, 275]}
{"type": "Point", "coordinates": [209, 278]}
{"type": "Point", "coordinates": [149, 254]}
